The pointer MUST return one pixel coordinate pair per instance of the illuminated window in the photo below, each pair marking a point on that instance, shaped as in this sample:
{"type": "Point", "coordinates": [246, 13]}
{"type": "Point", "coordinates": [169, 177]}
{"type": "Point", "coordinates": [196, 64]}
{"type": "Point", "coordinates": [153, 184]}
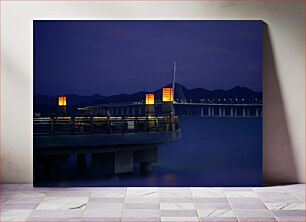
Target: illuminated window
{"type": "Point", "coordinates": [167, 95]}
{"type": "Point", "coordinates": [149, 98]}
{"type": "Point", "coordinates": [62, 101]}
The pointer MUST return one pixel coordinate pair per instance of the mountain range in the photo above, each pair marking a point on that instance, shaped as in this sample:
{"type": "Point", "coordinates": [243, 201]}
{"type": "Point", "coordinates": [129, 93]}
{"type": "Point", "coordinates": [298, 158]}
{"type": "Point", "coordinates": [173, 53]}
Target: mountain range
{"type": "Point", "coordinates": [43, 103]}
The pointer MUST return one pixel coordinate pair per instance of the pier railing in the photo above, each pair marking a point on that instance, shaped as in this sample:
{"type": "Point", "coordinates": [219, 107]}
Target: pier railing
{"type": "Point", "coordinates": [115, 124]}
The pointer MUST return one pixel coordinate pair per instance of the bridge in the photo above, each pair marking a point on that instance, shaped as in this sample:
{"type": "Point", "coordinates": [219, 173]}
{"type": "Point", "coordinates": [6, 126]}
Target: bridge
{"type": "Point", "coordinates": [181, 109]}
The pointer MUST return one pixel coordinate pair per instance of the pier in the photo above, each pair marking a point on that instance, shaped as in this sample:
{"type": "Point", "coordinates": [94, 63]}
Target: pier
{"type": "Point", "coordinates": [114, 143]}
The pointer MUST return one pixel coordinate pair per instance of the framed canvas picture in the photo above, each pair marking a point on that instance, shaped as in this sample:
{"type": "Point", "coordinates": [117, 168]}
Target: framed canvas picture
{"type": "Point", "coordinates": [147, 103]}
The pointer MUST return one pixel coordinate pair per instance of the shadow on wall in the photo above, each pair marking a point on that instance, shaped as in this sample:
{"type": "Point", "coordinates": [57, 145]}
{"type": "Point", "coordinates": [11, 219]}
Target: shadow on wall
{"type": "Point", "coordinates": [278, 160]}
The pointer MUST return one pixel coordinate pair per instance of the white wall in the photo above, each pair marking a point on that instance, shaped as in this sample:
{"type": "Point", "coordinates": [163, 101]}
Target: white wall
{"type": "Point", "coordinates": [284, 80]}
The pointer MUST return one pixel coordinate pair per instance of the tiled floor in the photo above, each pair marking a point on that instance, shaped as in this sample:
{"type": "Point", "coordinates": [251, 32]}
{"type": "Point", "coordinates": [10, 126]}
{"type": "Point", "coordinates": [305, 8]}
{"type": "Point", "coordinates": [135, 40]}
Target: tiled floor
{"type": "Point", "coordinates": [22, 202]}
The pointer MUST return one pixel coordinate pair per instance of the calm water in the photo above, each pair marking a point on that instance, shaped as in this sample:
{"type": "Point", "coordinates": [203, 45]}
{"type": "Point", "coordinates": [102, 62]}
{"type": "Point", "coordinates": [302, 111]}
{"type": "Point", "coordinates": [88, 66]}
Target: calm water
{"type": "Point", "coordinates": [211, 152]}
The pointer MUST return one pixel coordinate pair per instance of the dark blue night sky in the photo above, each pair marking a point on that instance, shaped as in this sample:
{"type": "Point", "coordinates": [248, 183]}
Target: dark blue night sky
{"type": "Point", "coordinates": [113, 57]}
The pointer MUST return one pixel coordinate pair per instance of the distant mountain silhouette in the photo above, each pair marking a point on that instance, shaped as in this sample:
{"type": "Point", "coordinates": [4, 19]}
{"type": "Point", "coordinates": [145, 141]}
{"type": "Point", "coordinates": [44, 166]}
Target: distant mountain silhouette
{"type": "Point", "coordinates": [48, 104]}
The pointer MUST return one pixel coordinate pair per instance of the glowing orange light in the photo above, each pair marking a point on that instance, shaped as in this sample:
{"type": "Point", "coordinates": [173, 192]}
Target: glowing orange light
{"type": "Point", "coordinates": [167, 95]}
{"type": "Point", "coordinates": [62, 101]}
{"type": "Point", "coordinates": [149, 98]}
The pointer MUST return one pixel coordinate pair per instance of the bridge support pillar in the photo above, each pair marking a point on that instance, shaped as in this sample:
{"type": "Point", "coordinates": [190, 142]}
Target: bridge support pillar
{"type": "Point", "coordinates": [257, 112]}
{"type": "Point", "coordinates": [243, 112]}
{"type": "Point", "coordinates": [202, 111]}
{"type": "Point", "coordinates": [220, 111]}
{"type": "Point", "coordinates": [223, 112]}
{"type": "Point", "coordinates": [248, 112]}
{"type": "Point", "coordinates": [232, 112]}
{"type": "Point", "coordinates": [212, 111]}
{"type": "Point", "coordinates": [133, 111]}
{"type": "Point", "coordinates": [209, 111]}
{"type": "Point", "coordinates": [236, 112]}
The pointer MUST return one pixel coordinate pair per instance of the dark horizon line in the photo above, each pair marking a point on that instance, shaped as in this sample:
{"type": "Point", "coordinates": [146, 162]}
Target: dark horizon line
{"type": "Point", "coordinates": [142, 91]}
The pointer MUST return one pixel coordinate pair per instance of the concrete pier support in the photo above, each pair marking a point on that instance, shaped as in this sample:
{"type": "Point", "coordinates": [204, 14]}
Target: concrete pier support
{"type": "Point", "coordinates": [81, 161]}
{"type": "Point", "coordinates": [235, 112]}
{"type": "Point", "coordinates": [220, 111]}
{"type": "Point", "coordinates": [212, 111]}
{"type": "Point", "coordinates": [223, 112]}
{"type": "Point", "coordinates": [232, 111]}
{"type": "Point", "coordinates": [248, 112]}
{"type": "Point", "coordinates": [202, 113]}
{"type": "Point", "coordinates": [243, 112]}
{"type": "Point", "coordinates": [114, 163]}
{"type": "Point", "coordinates": [146, 157]}
{"type": "Point", "coordinates": [209, 111]}
{"type": "Point", "coordinates": [145, 168]}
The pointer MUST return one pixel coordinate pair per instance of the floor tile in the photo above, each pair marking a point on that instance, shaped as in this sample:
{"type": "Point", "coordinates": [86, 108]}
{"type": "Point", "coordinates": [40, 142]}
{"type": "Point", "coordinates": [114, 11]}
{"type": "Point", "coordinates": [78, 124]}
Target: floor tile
{"type": "Point", "coordinates": [19, 206]}
{"type": "Point", "coordinates": [140, 219]}
{"type": "Point", "coordinates": [20, 202]}
{"type": "Point", "coordinates": [179, 219]}
{"type": "Point", "coordinates": [54, 219]}
{"type": "Point", "coordinates": [175, 193]}
{"type": "Point", "coordinates": [285, 206]}
{"type": "Point", "coordinates": [57, 214]}
{"type": "Point", "coordinates": [142, 200]}
{"type": "Point", "coordinates": [151, 213]}
{"type": "Point", "coordinates": [109, 189]}
{"type": "Point", "coordinates": [138, 192]}
{"type": "Point", "coordinates": [245, 200]}
{"type": "Point", "coordinates": [248, 206]}
{"type": "Point", "coordinates": [178, 213]}
{"type": "Point", "coordinates": [177, 206]}
{"type": "Point", "coordinates": [14, 214]}
{"type": "Point", "coordinates": [210, 200]}
{"type": "Point", "coordinates": [253, 213]}
{"type": "Point", "coordinates": [102, 219]}
{"type": "Point", "coordinates": [141, 206]}
{"type": "Point", "coordinates": [68, 193]}
{"type": "Point", "coordinates": [240, 194]}
{"type": "Point", "coordinates": [277, 197]}
{"type": "Point", "coordinates": [105, 200]}
{"type": "Point", "coordinates": [291, 219]}
{"type": "Point", "coordinates": [216, 213]}
{"type": "Point", "coordinates": [289, 213]}
{"type": "Point", "coordinates": [207, 192]}
{"type": "Point", "coordinates": [116, 206]}
{"type": "Point", "coordinates": [175, 200]}
{"type": "Point", "coordinates": [32, 200]}
{"type": "Point", "coordinates": [251, 219]}
{"type": "Point", "coordinates": [108, 194]}
{"type": "Point", "coordinates": [219, 219]}
{"type": "Point", "coordinates": [213, 205]}
{"type": "Point", "coordinates": [10, 186]}
{"type": "Point", "coordinates": [62, 203]}
{"type": "Point", "coordinates": [103, 213]}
